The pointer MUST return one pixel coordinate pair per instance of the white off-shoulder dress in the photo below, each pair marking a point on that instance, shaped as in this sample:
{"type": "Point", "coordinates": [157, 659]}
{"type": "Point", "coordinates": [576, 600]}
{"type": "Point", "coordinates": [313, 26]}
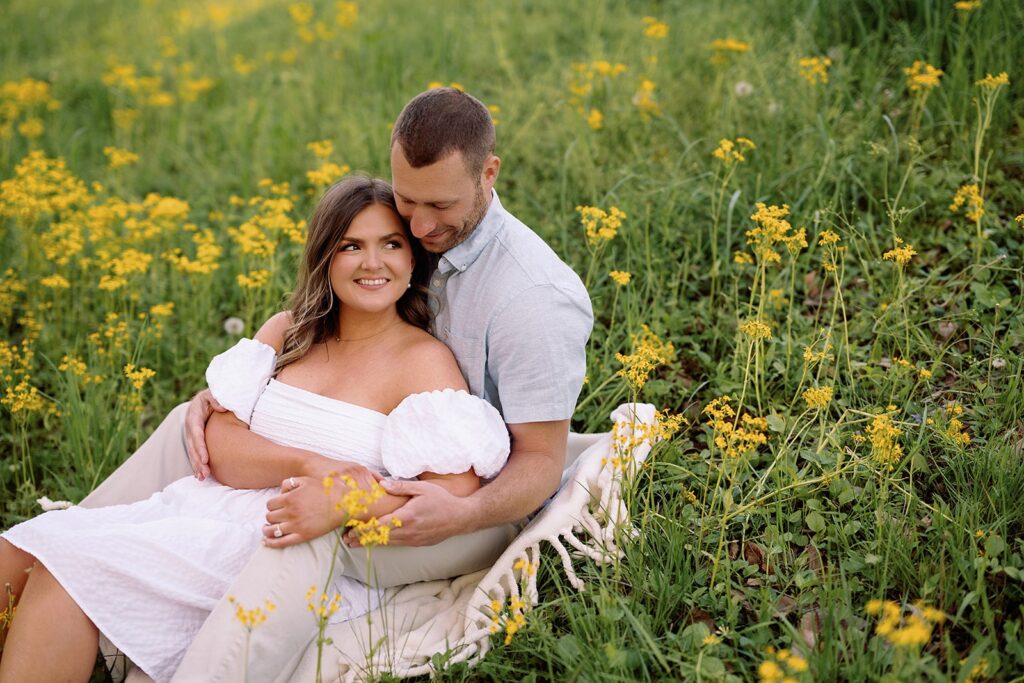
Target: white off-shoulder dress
{"type": "Point", "coordinates": [149, 573]}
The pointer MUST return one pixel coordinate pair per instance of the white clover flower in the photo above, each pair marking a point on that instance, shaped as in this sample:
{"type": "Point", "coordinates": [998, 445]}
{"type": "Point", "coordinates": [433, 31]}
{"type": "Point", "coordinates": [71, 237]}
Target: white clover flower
{"type": "Point", "coordinates": [742, 89]}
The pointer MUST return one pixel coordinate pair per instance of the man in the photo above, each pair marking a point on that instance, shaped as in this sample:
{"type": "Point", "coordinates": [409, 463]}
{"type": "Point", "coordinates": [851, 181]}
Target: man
{"type": "Point", "coordinates": [517, 320]}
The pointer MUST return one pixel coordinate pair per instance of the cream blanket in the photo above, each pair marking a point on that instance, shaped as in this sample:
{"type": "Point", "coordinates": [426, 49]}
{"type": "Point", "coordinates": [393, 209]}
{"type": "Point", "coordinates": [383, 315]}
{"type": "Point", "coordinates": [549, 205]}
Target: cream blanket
{"type": "Point", "coordinates": [456, 618]}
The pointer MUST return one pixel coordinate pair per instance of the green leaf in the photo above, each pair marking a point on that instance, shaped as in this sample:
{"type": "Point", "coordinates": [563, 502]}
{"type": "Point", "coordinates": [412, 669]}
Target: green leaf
{"type": "Point", "coordinates": [815, 522]}
{"type": "Point", "coordinates": [776, 423]}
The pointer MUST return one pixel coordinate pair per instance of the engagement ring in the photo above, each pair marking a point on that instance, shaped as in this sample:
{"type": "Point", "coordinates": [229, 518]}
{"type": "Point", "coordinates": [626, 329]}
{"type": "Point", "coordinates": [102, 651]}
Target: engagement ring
{"type": "Point", "coordinates": [277, 531]}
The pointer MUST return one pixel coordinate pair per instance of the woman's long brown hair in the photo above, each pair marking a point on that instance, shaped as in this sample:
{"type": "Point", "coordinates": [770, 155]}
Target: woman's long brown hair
{"type": "Point", "coordinates": [314, 306]}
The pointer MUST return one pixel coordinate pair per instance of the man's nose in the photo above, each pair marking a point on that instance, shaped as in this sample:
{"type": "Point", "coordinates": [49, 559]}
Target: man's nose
{"type": "Point", "coordinates": [422, 222]}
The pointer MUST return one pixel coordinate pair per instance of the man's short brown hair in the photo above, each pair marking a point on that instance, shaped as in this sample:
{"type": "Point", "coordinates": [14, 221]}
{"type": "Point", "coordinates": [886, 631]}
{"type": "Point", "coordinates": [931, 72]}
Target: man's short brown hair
{"type": "Point", "coordinates": [438, 122]}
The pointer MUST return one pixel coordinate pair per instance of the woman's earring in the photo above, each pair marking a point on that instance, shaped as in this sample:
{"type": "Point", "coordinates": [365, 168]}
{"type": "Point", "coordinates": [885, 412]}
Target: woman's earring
{"type": "Point", "coordinates": [409, 286]}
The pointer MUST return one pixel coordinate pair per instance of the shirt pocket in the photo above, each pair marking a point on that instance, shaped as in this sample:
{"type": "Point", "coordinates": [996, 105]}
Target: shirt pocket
{"type": "Point", "coordinates": [468, 353]}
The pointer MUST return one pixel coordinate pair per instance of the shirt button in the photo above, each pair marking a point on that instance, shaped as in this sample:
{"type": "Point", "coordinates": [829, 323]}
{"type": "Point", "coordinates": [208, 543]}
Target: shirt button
{"type": "Point", "coordinates": [437, 282]}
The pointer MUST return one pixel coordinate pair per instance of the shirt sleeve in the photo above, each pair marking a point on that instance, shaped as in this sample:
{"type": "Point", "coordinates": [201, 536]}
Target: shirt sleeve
{"type": "Point", "coordinates": [238, 376]}
{"type": "Point", "coordinates": [444, 432]}
{"type": "Point", "coordinates": [536, 353]}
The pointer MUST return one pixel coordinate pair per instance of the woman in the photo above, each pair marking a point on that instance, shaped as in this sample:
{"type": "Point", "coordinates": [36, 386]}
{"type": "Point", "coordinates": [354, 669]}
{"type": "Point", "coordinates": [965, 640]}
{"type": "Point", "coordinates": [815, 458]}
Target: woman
{"type": "Point", "coordinates": [343, 373]}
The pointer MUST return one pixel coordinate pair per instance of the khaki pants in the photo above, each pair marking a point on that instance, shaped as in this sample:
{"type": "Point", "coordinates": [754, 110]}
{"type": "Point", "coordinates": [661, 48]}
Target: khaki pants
{"type": "Point", "coordinates": [218, 652]}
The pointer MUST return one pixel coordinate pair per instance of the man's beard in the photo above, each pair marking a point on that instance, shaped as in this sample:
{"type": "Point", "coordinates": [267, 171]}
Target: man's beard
{"type": "Point", "coordinates": [476, 214]}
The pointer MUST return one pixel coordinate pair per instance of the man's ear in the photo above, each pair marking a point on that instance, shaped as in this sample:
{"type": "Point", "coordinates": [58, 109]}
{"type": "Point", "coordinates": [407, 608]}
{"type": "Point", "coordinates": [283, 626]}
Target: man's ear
{"type": "Point", "coordinates": [492, 165]}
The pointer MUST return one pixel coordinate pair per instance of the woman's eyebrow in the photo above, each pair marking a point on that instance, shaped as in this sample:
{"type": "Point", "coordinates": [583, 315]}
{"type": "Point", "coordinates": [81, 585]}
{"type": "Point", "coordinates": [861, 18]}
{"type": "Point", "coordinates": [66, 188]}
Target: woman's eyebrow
{"type": "Point", "coordinates": [385, 238]}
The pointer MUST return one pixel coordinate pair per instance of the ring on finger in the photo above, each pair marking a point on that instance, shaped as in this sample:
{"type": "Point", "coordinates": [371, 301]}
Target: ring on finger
{"type": "Point", "coordinates": [291, 482]}
{"type": "Point", "coordinates": [277, 531]}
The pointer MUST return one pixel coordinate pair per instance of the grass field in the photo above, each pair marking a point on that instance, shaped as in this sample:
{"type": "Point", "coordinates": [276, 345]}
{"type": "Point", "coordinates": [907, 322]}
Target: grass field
{"type": "Point", "coordinates": [823, 227]}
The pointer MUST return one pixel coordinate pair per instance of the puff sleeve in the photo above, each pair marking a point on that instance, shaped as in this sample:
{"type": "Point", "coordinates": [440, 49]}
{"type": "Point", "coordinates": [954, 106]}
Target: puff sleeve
{"type": "Point", "coordinates": [444, 432]}
{"type": "Point", "coordinates": [238, 376]}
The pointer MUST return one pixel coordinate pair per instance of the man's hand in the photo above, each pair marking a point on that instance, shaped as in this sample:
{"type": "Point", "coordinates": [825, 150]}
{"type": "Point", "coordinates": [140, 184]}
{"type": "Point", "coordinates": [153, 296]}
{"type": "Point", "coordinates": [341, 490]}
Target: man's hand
{"type": "Point", "coordinates": [200, 408]}
{"type": "Point", "coordinates": [431, 515]}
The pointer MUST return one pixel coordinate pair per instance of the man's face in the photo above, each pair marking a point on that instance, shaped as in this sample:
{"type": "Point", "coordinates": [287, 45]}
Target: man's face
{"type": "Point", "coordinates": [443, 202]}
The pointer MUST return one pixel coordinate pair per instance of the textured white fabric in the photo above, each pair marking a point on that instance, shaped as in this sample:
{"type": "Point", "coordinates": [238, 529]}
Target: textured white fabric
{"type": "Point", "coordinates": [238, 376]}
{"type": "Point", "coordinates": [148, 574]}
{"type": "Point", "coordinates": [428, 432]}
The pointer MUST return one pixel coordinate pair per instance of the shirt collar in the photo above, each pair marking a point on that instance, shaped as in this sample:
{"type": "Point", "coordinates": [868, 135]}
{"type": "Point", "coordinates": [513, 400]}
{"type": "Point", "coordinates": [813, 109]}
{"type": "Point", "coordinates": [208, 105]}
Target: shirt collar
{"type": "Point", "coordinates": [462, 256]}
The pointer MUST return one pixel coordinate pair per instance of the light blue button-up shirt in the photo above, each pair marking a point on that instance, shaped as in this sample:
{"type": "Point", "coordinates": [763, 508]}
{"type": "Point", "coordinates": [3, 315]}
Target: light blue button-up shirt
{"type": "Point", "coordinates": [516, 317]}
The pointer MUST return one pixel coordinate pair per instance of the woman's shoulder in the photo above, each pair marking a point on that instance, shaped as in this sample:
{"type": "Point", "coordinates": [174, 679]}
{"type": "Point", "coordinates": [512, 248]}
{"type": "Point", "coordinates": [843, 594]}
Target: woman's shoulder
{"type": "Point", "coordinates": [272, 331]}
{"type": "Point", "coordinates": [428, 365]}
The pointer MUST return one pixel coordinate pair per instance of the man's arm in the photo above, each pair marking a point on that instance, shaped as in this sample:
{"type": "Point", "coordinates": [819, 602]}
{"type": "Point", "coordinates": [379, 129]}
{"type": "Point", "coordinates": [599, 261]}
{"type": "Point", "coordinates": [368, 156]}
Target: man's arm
{"type": "Point", "coordinates": [531, 476]}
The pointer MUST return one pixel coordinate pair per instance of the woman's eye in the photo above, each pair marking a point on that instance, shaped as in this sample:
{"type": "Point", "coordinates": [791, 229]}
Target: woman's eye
{"type": "Point", "coordinates": [347, 247]}
{"type": "Point", "coordinates": [394, 244]}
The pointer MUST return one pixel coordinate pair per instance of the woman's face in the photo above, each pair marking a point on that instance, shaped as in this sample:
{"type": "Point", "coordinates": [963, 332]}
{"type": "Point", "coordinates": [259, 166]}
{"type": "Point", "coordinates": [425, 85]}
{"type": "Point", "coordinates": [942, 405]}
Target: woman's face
{"type": "Point", "coordinates": [373, 265]}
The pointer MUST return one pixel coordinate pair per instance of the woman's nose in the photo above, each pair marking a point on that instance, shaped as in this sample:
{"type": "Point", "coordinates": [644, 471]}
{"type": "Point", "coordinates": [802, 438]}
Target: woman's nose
{"type": "Point", "coordinates": [371, 258]}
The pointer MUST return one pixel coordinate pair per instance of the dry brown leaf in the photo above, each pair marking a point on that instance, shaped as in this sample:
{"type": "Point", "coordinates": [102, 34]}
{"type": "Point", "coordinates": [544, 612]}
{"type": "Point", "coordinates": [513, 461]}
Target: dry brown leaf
{"type": "Point", "coordinates": [810, 627]}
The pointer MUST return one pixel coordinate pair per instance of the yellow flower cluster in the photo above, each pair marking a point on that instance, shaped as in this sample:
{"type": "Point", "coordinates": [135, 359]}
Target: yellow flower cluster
{"type": "Point", "coordinates": [138, 376]}
{"type": "Point", "coordinates": [206, 259]}
{"type": "Point", "coordinates": [20, 396]}
{"type": "Point", "coordinates": [770, 229]}
{"type": "Point", "coordinates": [620, 277]}
{"type": "Point", "coordinates": [966, 5]}
{"type": "Point", "coordinates": [586, 75]}
{"type": "Point", "coordinates": [41, 186]}
{"type": "Point", "coordinates": [254, 279]}
{"type": "Point", "coordinates": [781, 666]}
{"type": "Point", "coordinates": [600, 225]}
{"type": "Point", "coordinates": [321, 149]}
{"type": "Point", "coordinates": [326, 173]}
{"type": "Point", "coordinates": [309, 31]}
{"type": "Point", "coordinates": [595, 119]}
{"type": "Point", "coordinates": [901, 254]}
{"type": "Point", "coordinates": [733, 439]}
{"type": "Point", "coordinates": [649, 351]}
{"type": "Point", "coordinates": [811, 356]}
{"type": "Point", "coordinates": [118, 158]}
{"type": "Point", "coordinates": [955, 429]}
{"type": "Point", "coordinates": [325, 606]}
{"type": "Point", "coordinates": [721, 48]}
{"type": "Point", "coordinates": [817, 398]}
{"type": "Point", "coordinates": [644, 100]}
{"type": "Point", "coordinates": [27, 97]}
{"type": "Point", "coordinates": [346, 13]}
{"type": "Point", "coordinates": [756, 329]}
{"type": "Point", "coordinates": [433, 85]}
{"type": "Point", "coordinates": [922, 76]}
{"type": "Point", "coordinates": [969, 197]}
{"type": "Point", "coordinates": [814, 70]}
{"type": "Point", "coordinates": [885, 449]}
{"type": "Point", "coordinates": [251, 618]}
{"type": "Point", "coordinates": [731, 151]}
{"type": "Point", "coordinates": [991, 82]}
{"type": "Point", "coordinates": [510, 621]}
{"type": "Point", "coordinates": [979, 672]}
{"type": "Point", "coordinates": [742, 258]}
{"type": "Point", "coordinates": [145, 91]}
{"type": "Point", "coordinates": [78, 368]}
{"type": "Point", "coordinates": [654, 28]}
{"type": "Point", "coordinates": [628, 435]}
{"type": "Point", "coordinates": [910, 627]}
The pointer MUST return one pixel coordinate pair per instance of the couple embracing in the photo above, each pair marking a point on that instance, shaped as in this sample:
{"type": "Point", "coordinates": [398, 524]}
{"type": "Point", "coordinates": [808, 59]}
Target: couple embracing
{"type": "Point", "coordinates": [434, 343]}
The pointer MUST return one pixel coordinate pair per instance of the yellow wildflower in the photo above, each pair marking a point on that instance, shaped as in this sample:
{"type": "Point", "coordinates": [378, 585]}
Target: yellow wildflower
{"type": "Point", "coordinates": [969, 196]}
{"type": "Point", "coordinates": [138, 376]}
{"type": "Point", "coordinates": [32, 128]}
{"type": "Point", "coordinates": [251, 618]}
{"type": "Point", "coordinates": [922, 77]}
{"type": "Point", "coordinates": [818, 397]}
{"type": "Point", "coordinates": [730, 151]}
{"type": "Point", "coordinates": [119, 157]}
{"type": "Point", "coordinates": [742, 258]}
{"type": "Point", "coordinates": [621, 277]}
{"type": "Point", "coordinates": [655, 29]}
{"type": "Point", "coordinates": [644, 100]}
{"type": "Point", "coordinates": [885, 448]}
{"type": "Point", "coordinates": [649, 351]}
{"type": "Point", "coordinates": [756, 329]}
{"type": "Point", "coordinates": [901, 254]}
{"type": "Point", "coordinates": [966, 5]}
{"type": "Point", "coordinates": [595, 119]}
{"type": "Point", "coordinates": [600, 226]}
{"type": "Point", "coordinates": [991, 82]}
{"type": "Point", "coordinates": [346, 13]}
{"type": "Point", "coordinates": [828, 237]}
{"type": "Point", "coordinates": [730, 45]}
{"type": "Point", "coordinates": [55, 282]}
{"type": "Point", "coordinates": [815, 69]}
{"type": "Point", "coordinates": [321, 149]}
{"type": "Point", "coordinates": [254, 279]}
{"type": "Point", "coordinates": [326, 173]}
{"type": "Point", "coordinates": [772, 228]}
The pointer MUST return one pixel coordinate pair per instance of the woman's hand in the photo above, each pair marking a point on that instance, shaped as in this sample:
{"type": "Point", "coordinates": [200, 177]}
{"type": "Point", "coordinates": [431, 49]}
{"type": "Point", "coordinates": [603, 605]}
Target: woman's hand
{"type": "Point", "coordinates": [306, 510]}
{"type": "Point", "coordinates": [302, 512]}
